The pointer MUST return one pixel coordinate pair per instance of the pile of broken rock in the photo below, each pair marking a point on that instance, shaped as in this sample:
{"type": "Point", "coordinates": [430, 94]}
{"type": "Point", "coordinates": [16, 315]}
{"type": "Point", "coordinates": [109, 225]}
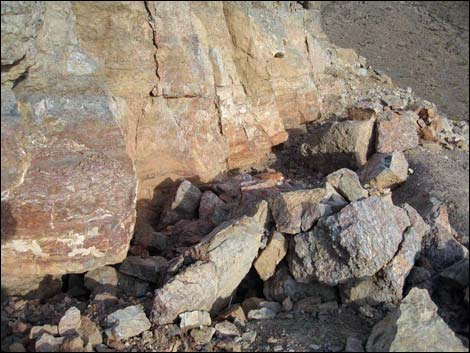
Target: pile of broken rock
{"type": "Point", "coordinates": [250, 247]}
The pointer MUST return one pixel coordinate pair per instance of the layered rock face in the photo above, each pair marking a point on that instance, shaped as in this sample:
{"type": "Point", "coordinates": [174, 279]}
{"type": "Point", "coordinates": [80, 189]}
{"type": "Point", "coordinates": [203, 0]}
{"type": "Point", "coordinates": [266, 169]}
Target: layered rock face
{"type": "Point", "coordinates": [68, 184]}
{"type": "Point", "coordinates": [187, 89]}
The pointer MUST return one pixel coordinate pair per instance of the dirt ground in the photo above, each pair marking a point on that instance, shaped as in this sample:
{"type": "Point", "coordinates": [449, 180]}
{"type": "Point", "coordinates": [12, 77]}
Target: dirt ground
{"type": "Point", "coordinates": [422, 45]}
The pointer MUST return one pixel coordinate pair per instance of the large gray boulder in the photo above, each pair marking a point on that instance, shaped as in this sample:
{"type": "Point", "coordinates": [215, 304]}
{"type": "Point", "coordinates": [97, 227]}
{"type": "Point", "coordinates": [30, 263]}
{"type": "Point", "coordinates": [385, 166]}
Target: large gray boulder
{"type": "Point", "coordinates": [414, 327]}
{"type": "Point", "coordinates": [354, 243]}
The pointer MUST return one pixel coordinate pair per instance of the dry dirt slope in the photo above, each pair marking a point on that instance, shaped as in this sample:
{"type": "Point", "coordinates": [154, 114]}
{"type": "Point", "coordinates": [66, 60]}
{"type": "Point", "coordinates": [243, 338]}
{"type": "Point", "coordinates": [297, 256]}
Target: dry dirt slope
{"type": "Point", "coordinates": [422, 45]}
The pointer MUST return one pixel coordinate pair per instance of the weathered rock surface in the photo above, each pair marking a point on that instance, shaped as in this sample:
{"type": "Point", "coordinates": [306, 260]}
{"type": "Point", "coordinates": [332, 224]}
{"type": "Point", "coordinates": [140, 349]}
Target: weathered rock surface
{"type": "Point", "coordinates": [148, 269]}
{"type": "Point", "coordinates": [270, 257]}
{"type": "Point", "coordinates": [396, 133]}
{"type": "Point", "coordinates": [344, 144]}
{"type": "Point", "coordinates": [355, 243]}
{"type": "Point", "coordinates": [385, 170]}
{"type": "Point", "coordinates": [387, 285]}
{"type": "Point", "coordinates": [229, 253]}
{"type": "Point", "coordinates": [127, 322]}
{"type": "Point", "coordinates": [68, 184]}
{"type": "Point", "coordinates": [104, 277]}
{"type": "Point", "coordinates": [457, 274]}
{"type": "Point", "coordinates": [212, 208]}
{"type": "Point", "coordinates": [346, 182]}
{"type": "Point", "coordinates": [194, 319]}
{"type": "Point", "coordinates": [70, 322]}
{"type": "Point", "coordinates": [282, 285]}
{"type": "Point", "coordinates": [414, 327]}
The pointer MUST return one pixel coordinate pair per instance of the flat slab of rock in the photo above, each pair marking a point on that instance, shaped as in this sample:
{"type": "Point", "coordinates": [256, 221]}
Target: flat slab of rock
{"type": "Point", "coordinates": [148, 269]}
{"type": "Point", "coordinates": [229, 252]}
{"type": "Point", "coordinates": [336, 145]}
{"type": "Point", "coordinates": [354, 243]}
{"type": "Point", "coordinates": [385, 170]}
{"type": "Point", "coordinates": [396, 132]}
{"type": "Point", "coordinates": [347, 183]}
{"type": "Point", "coordinates": [414, 327]}
{"type": "Point", "coordinates": [127, 322]}
{"type": "Point", "coordinates": [270, 257]}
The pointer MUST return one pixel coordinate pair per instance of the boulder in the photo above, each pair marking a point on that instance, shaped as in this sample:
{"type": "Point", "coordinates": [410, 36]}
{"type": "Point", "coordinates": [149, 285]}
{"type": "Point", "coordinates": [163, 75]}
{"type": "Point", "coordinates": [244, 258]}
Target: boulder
{"type": "Point", "coordinates": [150, 269]}
{"type": "Point", "coordinates": [354, 243]}
{"type": "Point", "coordinates": [384, 171]}
{"type": "Point", "coordinates": [344, 144]}
{"type": "Point", "coordinates": [128, 322]}
{"type": "Point", "coordinates": [229, 251]}
{"type": "Point", "coordinates": [346, 182]}
{"type": "Point", "coordinates": [387, 285]}
{"type": "Point", "coordinates": [396, 133]}
{"type": "Point", "coordinates": [414, 327]}
{"type": "Point", "coordinates": [270, 256]}
{"type": "Point", "coordinates": [68, 184]}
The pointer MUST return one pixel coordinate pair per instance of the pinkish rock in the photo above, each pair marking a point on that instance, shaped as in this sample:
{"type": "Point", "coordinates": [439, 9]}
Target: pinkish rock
{"type": "Point", "coordinates": [396, 133]}
{"type": "Point", "coordinates": [385, 170]}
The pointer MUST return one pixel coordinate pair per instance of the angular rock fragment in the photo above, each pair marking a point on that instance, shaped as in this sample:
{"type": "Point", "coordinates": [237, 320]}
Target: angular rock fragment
{"type": "Point", "coordinates": [132, 286]}
{"type": "Point", "coordinates": [48, 343]}
{"type": "Point", "coordinates": [251, 304]}
{"type": "Point", "coordinates": [229, 252]}
{"type": "Point", "coordinates": [261, 314]}
{"type": "Point", "coordinates": [288, 207]}
{"type": "Point", "coordinates": [212, 208]}
{"type": "Point", "coordinates": [72, 344]}
{"type": "Point", "coordinates": [127, 322]}
{"type": "Point", "coordinates": [355, 243]}
{"type": "Point", "coordinates": [457, 274]}
{"type": "Point", "coordinates": [185, 204]}
{"type": "Point", "coordinates": [396, 133]}
{"type": "Point", "coordinates": [70, 323]}
{"type": "Point", "coordinates": [202, 335]}
{"type": "Point", "coordinates": [387, 285]}
{"type": "Point", "coordinates": [90, 332]}
{"type": "Point", "coordinates": [37, 331]}
{"type": "Point", "coordinates": [226, 328]}
{"type": "Point", "coordinates": [105, 277]}
{"type": "Point", "coordinates": [414, 327]}
{"type": "Point", "coordinates": [338, 145]}
{"type": "Point", "coordinates": [148, 269]}
{"type": "Point", "coordinates": [232, 313]}
{"type": "Point", "coordinates": [385, 170]}
{"type": "Point", "coordinates": [194, 319]}
{"type": "Point", "coordinates": [147, 238]}
{"type": "Point", "coordinates": [394, 102]}
{"type": "Point", "coordinates": [282, 285]}
{"type": "Point", "coordinates": [270, 257]}
{"type": "Point", "coordinates": [364, 110]}
{"type": "Point", "coordinates": [346, 182]}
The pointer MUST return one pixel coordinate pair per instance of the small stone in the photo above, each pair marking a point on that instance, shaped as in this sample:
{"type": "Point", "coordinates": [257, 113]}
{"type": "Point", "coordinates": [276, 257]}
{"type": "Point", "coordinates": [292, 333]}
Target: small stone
{"type": "Point", "coordinates": [354, 344]}
{"type": "Point", "coordinates": [364, 110]}
{"type": "Point", "coordinates": [20, 328]}
{"type": "Point", "coordinates": [16, 347]}
{"type": "Point", "coordinates": [346, 182]}
{"type": "Point", "coordinates": [202, 335]}
{"type": "Point", "coordinates": [270, 257]}
{"type": "Point", "coordinates": [72, 344]}
{"type": "Point", "coordinates": [212, 208]}
{"type": "Point", "coordinates": [229, 345]}
{"type": "Point", "coordinates": [273, 306]}
{"type": "Point", "coordinates": [90, 332]}
{"type": "Point", "coordinates": [328, 306]}
{"type": "Point", "coordinates": [48, 343]}
{"type": "Point", "coordinates": [278, 348]}
{"type": "Point", "coordinates": [287, 304]}
{"type": "Point", "coordinates": [385, 170]}
{"type": "Point", "coordinates": [251, 304]}
{"type": "Point", "coordinates": [105, 276]}
{"type": "Point", "coordinates": [127, 322]}
{"type": "Point", "coordinates": [37, 331]}
{"type": "Point", "coordinates": [226, 328]}
{"type": "Point", "coordinates": [185, 204]}
{"type": "Point", "coordinates": [235, 312]}
{"type": "Point", "coordinates": [394, 102]}
{"type": "Point", "coordinates": [194, 319]}
{"type": "Point", "coordinates": [261, 314]}
{"type": "Point", "coordinates": [148, 269]}
{"type": "Point", "coordinates": [307, 305]}
{"type": "Point", "coordinates": [132, 286]}
{"type": "Point", "coordinates": [315, 347]}
{"type": "Point", "coordinates": [70, 323]}
{"type": "Point", "coordinates": [249, 337]}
